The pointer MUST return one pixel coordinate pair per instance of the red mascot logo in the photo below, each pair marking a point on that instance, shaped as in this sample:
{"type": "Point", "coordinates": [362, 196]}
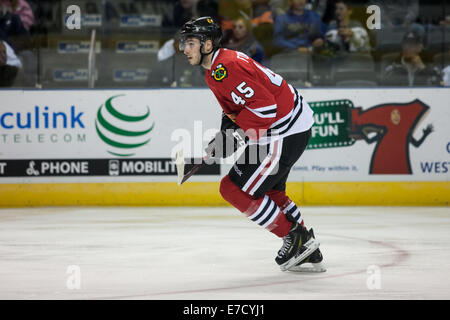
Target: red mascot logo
{"type": "Point", "coordinates": [391, 127]}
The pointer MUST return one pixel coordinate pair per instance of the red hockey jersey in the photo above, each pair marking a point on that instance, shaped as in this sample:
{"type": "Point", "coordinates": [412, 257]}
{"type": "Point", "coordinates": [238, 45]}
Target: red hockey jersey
{"type": "Point", "coordinates": [261, 99]}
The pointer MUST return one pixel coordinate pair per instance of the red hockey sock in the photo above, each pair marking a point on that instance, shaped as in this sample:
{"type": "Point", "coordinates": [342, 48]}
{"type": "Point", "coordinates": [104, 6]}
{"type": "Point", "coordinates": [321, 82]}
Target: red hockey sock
{"type": "Point", "coordinates": [264, 211]}
{"type": "Point", "coordinates": [285, 204]}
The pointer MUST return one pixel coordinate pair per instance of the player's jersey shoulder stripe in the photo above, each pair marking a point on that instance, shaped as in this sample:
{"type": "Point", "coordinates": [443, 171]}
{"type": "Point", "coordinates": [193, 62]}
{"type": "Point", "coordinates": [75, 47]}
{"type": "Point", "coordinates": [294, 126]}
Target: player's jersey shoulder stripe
{"type": "Point", "coordinates": [266, 112]}
{"type": "Point", "coordinates": [268, 108]}
{"type": "Point", "coordinates": [215, 56]}
{"type": "Point", "coordinates": [224, 58]}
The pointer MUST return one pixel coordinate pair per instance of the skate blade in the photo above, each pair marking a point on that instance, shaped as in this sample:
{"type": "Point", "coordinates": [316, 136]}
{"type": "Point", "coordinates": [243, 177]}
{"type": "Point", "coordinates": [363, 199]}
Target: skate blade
{"type": "Point", "coordinates": [311, 268]}
{"type": "Point", "coordinates": [311, 246]}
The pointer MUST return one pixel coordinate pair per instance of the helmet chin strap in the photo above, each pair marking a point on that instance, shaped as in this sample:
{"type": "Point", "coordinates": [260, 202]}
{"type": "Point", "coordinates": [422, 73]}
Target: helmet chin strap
{"type": "Point", "coordinates": [203, 55]}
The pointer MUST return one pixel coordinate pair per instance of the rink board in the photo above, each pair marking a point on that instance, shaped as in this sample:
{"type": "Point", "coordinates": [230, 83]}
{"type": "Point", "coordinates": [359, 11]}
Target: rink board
{"type": "Point", "coordinates": [207, 194]}
{"type": "Point", "coordinates": [115, 147]}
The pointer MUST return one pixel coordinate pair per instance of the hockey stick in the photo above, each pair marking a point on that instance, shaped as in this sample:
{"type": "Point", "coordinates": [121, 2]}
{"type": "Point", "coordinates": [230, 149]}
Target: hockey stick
{"type": "Point", "coordinates": [180, 164]}
{"type": "Point", "coordinates": [179, 160]}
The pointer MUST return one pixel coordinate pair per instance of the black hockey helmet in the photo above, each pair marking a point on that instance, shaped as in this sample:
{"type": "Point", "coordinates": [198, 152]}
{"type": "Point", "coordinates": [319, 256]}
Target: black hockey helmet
{"type": "Point", "coordinates": [204, 28]}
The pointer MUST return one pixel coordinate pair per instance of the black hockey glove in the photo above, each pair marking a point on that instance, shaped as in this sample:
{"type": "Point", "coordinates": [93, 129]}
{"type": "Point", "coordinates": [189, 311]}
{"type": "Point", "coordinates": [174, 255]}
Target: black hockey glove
{"type": "Point", "coordinates": [227, 140]}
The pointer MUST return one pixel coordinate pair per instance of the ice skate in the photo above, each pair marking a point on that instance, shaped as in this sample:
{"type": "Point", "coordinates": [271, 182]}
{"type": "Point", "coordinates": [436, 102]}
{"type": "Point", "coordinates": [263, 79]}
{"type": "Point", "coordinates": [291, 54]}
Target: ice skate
{"type": "Point", "coordinates": [298, 245]}
{"type": "Point", "coordinates": [312, 264]}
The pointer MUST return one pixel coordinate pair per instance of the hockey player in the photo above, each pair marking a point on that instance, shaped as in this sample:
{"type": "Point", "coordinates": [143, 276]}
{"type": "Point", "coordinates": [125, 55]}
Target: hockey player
{"type": "Point", "coordinates": [275, 119]}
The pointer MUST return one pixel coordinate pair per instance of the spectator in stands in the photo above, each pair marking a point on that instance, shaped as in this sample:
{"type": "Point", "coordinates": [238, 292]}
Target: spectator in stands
{"type": "Point", "coordinates": [183, 11]}
{"type": "Point", "coordinates": [446, 70]}
{"type": "Point", "coordinates": [173, 70]}
{"type": "Point", "coordinates": [324, 8]}
{"type": "Point", "coordinates": [279, 7]}
{"type": "Point", "coordinates": [243, 40]}
{"type": "Point", "coordinates": [298, 29]}
{"type": "Point", "coordinates": [168, 49]}
{"type": "Point", "coordinates": [9, 65]}
{"type": "Point", "coordinates": [230, 10]}
{"type": "Point", "coordinates": [263, 16]}
{"type": "Point", "coordinates": [13, 31]}
{"type": "Point", "coordinates": [399, 13]}
{"type": "Point", "coordinates": [409, 69]}
{"type": "Point", "coordinates": [446, 76]}
{"type": "Point", "coordinates": [345, 34]}
{"type": "Point", "coordinates": [259, 12]}
{"type": "Point", "coordinates": [262, 12]}
{"type": "Point", "coordinates": [21, 8]}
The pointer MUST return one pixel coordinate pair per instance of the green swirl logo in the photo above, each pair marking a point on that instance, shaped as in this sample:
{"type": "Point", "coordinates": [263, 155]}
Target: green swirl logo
{"type": "Point", "coordinates": [122, 133]}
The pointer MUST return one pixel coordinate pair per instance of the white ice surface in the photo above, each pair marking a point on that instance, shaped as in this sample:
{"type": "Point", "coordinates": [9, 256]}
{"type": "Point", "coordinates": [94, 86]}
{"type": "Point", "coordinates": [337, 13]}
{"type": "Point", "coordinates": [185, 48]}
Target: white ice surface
{"type": "Point", "coordinates": [217, 253]}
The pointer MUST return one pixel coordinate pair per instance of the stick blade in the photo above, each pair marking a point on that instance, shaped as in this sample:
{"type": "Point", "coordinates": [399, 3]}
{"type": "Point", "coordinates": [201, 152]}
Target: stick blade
{"type": "Point", "coordinates": [179, 162]}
